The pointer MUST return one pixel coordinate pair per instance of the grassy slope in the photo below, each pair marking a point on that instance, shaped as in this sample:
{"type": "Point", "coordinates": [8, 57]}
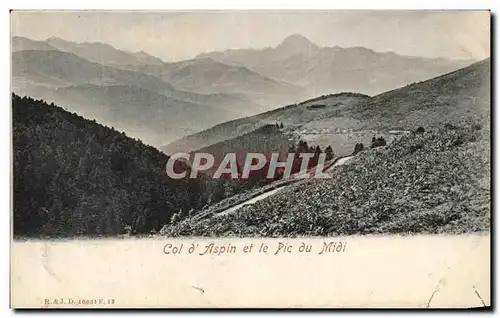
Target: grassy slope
{"type": "Point", "coordinates": [449, 98]}
{"type": "Point", "coordinates": [437, 182]}
{"type": "Point", "coordinates": [294, 117]}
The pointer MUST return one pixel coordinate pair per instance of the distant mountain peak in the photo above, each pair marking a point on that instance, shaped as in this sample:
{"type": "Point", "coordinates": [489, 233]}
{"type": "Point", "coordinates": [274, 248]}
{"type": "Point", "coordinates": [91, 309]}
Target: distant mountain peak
{"type": "Point", "coordinates": [296, 41]}
{"type": "Point", "coordinates": [56, 39]}
{"type": "Point", "coordinates": [142, 54]}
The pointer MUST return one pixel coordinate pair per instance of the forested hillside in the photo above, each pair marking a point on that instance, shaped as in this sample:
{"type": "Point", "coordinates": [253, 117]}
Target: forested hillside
{"type": "Point", "coordinates": [265, 140]}
{"type": "Point", "coordinates": [75, 177]}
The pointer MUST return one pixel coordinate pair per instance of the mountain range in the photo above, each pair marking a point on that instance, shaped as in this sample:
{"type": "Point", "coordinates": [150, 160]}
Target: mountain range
{"type": "Point", "coordinates": [207, 76]}
{"type": "Point", "coordinates": [93, 90]}
{"type": "Point", "coordinates": [146, 97]}
{"type": "Point", "coordinates": [325, 70]}
{"type": "Point", "coordinates": [95, 52]}
{"type": "Point", "coordinates": [344, 119]}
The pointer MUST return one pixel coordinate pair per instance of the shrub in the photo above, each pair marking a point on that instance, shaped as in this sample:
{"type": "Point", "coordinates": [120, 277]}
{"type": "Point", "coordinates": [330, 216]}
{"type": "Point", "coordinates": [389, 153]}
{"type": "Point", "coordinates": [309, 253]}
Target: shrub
{"type": "Point", "coordinates": [378, 142]}
{"type": "Point", "coordinates": [329, 153]}
{"type": "Point", "coordinates": [358, 147]}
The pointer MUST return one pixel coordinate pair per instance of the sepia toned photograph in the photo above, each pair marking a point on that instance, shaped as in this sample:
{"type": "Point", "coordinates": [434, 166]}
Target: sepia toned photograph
{"type": "Point", "coordinates": [253, 159]}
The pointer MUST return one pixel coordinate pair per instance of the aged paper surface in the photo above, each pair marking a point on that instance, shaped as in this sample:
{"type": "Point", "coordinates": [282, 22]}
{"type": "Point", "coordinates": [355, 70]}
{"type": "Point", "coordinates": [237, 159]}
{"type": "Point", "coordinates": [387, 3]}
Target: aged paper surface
{"type": "Point", "coordinates": [250, 159]}
{"type": "Point", "coordinates": [422, 272]}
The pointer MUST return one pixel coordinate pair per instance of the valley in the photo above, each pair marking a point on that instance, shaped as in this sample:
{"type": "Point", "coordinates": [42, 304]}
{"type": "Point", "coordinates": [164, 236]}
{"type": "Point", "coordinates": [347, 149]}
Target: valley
{"type": "Point", "coordinates": [409, 155]}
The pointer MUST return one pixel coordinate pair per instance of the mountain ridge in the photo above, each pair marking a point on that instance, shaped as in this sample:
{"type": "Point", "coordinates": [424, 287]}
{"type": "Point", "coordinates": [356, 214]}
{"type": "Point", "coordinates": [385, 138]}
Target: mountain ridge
{"type": "Point", "coordinates": [323, 70]}
{"type": "Point", "coordinates": [205, 75]}
{"type": "Point", "coordinates": [73, 177]}
{"type": "Point", "coordinates": [40, 74]}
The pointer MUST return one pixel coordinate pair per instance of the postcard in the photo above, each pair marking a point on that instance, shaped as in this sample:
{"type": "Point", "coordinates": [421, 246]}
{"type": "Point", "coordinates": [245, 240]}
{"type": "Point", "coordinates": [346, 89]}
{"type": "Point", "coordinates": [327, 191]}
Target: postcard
{"type": "Point", "coordinates": [250, 159]}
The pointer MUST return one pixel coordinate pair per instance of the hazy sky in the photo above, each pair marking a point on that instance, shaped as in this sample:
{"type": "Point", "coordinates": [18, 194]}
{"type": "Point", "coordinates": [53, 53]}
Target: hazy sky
{"type": "Point", "coordinates": [180, 35]}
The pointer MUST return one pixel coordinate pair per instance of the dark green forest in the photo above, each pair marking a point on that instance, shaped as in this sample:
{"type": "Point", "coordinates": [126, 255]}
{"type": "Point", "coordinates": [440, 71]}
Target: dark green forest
{"type": "Point", "coordinates": [75, 177]}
